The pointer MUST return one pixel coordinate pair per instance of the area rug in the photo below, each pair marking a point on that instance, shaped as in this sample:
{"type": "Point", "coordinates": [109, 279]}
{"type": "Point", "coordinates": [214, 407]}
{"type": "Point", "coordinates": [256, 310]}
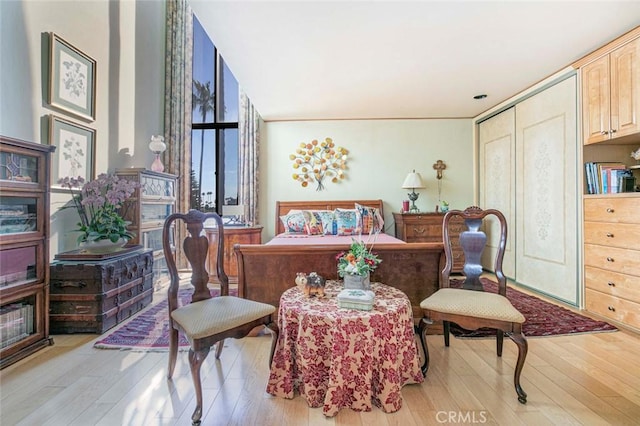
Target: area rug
{"type": "Point", "coordinates": [148, 331]}
{"type": "Point", "coordinates": [542, 318]}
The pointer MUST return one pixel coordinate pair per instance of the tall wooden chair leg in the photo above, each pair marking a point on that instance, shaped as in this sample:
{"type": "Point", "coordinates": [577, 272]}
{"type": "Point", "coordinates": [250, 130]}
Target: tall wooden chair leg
{"type": "Point", "coordinates": [219, 347]}
{"type": "Point", "coordinates": [446, 325]}
{"type": "Point", "coordinates": [422, 332]}
{"type": "Point", "coordinates": [520, 340]}
{"type": "Point", "coordinates": [499, 342]}
{"type": "Point", "coordinates": [196, 358]}
{"type": "Point", "coordinates": [173, 351]}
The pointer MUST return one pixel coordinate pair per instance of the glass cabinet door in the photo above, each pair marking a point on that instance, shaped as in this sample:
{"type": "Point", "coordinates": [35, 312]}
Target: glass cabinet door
{"type": "Point", "coordinates": [18, 167]}
{"type": "Point", "coordinates": [18, 214]}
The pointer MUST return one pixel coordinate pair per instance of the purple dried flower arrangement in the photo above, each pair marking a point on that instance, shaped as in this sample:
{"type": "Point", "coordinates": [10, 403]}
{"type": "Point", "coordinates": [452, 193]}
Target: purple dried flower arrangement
{"type": "Point", "coordinates": [99, 203]}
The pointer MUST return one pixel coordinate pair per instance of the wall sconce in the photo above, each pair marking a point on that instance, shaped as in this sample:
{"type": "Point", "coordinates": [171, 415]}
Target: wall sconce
{"type": "Point", "coordinates": [157, 146]}
{"type": "Point", "coordinates": [413, 181]}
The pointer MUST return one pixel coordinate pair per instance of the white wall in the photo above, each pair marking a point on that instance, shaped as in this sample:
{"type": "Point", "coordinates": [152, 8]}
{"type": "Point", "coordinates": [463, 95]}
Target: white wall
{"type": "Point", "coordinates": [382, 152]}
{"type": "Point", "coordinates": [126, 38]}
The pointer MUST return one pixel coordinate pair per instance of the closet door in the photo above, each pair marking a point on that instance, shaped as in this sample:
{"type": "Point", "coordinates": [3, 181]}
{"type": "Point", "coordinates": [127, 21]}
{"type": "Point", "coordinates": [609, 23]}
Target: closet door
{"type": "Point", "coordinates": [546, 192]}
{"type": "Point", "coordinates": [497, 184]}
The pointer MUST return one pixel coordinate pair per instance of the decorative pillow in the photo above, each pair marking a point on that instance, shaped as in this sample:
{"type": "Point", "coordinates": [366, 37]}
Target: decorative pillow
{"type": "Point", "coordinates": [293, 222]}
{"type": "Point", "coordinates": [312, 223]}
{"type": "Point", "coordinates": [328, 222]}
{"type": "Point", "coordinates": [347, 221]}
{"type": "Point", "coordinates": [370, 220]}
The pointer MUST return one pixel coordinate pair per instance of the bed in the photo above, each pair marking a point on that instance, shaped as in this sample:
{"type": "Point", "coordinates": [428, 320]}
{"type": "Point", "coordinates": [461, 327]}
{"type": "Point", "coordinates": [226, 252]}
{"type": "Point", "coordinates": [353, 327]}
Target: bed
{"type": "Point", "coordinates": [265, 271]}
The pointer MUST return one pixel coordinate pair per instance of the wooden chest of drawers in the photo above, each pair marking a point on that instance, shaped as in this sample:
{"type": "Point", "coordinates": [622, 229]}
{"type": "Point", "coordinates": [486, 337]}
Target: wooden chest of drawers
{"type": "Point", "coordinates": [612, 257]}
{"type": "Point", "coordinates": [93, 296]}
{"type": "Point", "coordinates": [427, 228]}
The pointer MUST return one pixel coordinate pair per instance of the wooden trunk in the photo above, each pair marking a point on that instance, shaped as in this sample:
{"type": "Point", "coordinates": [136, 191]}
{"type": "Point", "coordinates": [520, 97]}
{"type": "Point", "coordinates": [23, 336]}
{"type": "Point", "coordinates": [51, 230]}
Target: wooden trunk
{"type": "Point", "coordinates": [94, 296]}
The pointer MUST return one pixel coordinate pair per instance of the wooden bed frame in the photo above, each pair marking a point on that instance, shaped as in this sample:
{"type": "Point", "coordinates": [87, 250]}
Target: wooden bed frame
{"type": "Point", "coordinates": [266, 271]}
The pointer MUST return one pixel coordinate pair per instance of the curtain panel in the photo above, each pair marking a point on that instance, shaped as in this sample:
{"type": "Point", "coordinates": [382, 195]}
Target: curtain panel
{"type": "Point", "coordinates": [177, 104]}
{"type": "Point", "coordinates": [249, 147]}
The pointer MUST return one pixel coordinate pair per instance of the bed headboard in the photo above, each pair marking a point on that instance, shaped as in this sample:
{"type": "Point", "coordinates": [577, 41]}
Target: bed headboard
{"type": "Point", "coordinates": [283, 207]}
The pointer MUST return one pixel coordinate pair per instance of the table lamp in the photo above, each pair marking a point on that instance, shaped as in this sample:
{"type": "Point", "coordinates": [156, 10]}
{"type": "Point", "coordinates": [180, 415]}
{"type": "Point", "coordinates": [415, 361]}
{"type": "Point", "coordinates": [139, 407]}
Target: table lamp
{"type": "Point", "coordinates": [157, 146]}
{"type": "Point", "coordinates": [413, 181]}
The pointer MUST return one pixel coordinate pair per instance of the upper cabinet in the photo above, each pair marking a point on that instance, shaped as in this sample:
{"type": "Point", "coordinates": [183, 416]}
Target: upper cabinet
{"type": "Point", "coordinates": [611, 94]}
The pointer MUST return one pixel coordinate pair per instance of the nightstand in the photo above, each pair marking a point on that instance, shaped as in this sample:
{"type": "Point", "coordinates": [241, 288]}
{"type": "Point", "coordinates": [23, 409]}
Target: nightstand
{"type": "Point", "coordinates": [427, 228]}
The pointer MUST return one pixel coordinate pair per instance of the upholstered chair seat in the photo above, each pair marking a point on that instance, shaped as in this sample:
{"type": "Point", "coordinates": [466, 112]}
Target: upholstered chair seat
{"type": "Point", "coordinates": [219, 314]}
{"type": "Point", "coordinates": [472, 304]}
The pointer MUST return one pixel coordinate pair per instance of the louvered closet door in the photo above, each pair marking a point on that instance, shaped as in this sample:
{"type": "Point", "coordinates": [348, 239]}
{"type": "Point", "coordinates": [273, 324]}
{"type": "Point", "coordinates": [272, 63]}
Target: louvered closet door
{"type": "Point", "coordinates": [497, 184]}
{"type": "Point", "coordinates": [546, 192]}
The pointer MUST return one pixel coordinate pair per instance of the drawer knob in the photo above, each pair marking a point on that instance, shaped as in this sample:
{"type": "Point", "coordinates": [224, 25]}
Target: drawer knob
{"type": "Point", "coordinates": [611, 284]}
{"type": "Point", "coordinates": [610, 210]}
{"type": "Point", "coordinates": [604, 132]}
{"type": "Point", "coordinates": [418, 230]}
{"type": "Point", "coordinates": [609, 235]}
{"type": "Point", "coordinates": [611, 308]}
{"type": "Point", "coordinates": [610, 259]}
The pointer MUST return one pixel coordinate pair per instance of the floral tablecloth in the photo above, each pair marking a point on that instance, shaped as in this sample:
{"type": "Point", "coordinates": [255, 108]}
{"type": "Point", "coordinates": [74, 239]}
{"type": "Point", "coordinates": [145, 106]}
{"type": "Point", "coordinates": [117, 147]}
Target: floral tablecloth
{"type": "Point", "coordinates": [337, 358]}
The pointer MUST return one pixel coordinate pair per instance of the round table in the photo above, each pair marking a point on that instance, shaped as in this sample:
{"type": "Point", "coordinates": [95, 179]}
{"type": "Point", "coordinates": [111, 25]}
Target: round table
{"type": "Point", "coordinates": [337, 358]}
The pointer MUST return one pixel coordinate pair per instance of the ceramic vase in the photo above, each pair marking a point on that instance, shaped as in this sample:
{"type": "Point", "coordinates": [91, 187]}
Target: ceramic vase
{"type": "Point", "coordinates": [102, 246]}
{"type": "Point", "coordinates": [358, 282]}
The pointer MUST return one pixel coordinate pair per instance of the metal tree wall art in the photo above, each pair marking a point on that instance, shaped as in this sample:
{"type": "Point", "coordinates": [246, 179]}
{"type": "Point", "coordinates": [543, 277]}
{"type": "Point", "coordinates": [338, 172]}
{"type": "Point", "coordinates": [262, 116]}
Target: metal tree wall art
{"type": "Point", "coordinates": [316, 161]}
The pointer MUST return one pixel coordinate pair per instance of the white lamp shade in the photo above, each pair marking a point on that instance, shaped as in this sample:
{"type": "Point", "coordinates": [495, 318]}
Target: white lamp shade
{"type": "Point", "coordinates": [413, 180]}
{"type": "Point", "coordinates": [157, 144]}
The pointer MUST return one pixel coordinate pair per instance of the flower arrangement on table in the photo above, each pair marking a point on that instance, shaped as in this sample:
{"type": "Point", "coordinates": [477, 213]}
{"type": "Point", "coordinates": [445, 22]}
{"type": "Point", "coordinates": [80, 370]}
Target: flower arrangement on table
{"type": "Point", "coordinates": [317, 160]}
{"type": "Point", "coordinates": [359, 260]}
{"type": "Point", "coordinates": [99, 203]}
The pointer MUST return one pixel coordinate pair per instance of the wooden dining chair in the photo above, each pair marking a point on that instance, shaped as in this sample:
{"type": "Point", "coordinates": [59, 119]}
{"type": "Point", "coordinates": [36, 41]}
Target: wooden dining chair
{"type": "Point", "coordinates": [469, 306]}
{"type": "Point", "coordinates": [207, 320]}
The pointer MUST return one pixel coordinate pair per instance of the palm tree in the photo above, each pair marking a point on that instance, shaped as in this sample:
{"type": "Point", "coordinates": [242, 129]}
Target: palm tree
{"type": "Point", "coordinates": [204, 99]}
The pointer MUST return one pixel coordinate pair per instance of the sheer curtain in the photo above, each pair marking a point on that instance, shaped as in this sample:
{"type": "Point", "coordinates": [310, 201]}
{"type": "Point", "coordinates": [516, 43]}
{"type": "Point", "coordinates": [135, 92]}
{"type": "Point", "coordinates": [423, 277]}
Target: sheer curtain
{"type": "Point", "coordinates": [177, 104]}
{"type": "Point", "coordinates": [249, 147]}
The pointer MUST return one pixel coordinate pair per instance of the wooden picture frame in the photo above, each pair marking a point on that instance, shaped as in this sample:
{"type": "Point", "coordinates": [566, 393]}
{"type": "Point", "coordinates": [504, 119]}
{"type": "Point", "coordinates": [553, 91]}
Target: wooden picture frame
{"type": "Point", "coordinates": [75, 150]}
{"type": "Point", "coordinates": [72, 79]}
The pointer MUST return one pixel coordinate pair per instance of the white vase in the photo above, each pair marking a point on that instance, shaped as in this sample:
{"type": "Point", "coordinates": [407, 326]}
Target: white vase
{"type": "Point", "coordinates": [102, 246]}
{"type": "Point", "coordinates": [357, 282]}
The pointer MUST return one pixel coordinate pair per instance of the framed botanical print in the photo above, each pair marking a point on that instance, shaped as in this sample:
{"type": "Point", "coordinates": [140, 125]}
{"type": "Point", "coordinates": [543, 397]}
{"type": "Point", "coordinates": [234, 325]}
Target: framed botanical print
{"type": "Point", "coordinates": [75, 150]}
{"type": "Point", "coordinates": [72, 79]}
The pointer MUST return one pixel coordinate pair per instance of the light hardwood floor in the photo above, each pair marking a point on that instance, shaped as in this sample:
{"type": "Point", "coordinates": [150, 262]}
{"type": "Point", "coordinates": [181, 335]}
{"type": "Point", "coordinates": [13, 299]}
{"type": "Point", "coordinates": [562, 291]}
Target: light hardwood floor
{"type": "Point", "coordinates": [591, 379]}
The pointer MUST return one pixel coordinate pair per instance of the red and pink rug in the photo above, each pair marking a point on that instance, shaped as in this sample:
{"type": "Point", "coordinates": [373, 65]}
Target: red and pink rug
{"type": "Point", "coordinates": [149, 329]}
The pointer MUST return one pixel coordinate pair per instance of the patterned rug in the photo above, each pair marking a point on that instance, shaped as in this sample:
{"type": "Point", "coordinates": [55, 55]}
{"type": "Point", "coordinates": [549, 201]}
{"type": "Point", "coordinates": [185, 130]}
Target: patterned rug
{"type": "Point", "coordinates": [148, 331]}
{"type": "Point", "coordinates": [542, 318]}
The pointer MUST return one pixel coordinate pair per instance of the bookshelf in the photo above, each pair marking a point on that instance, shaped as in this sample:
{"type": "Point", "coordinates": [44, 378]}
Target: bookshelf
{"type": "Point", "coordinates": [611, 201]}
{"type": "Point", "coordinates": [24, 249]}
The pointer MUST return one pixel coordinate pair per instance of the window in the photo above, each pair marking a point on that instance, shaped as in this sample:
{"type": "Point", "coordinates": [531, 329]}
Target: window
{"type": "Point", "coordinates": [214, 135]}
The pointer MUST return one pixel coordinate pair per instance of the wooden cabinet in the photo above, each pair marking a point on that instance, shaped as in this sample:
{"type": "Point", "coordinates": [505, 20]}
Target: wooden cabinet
{"type": "Point", "coordinates": [611, 253]}
{"type": "Point", "coordinates": [611, 95]}
{"type": "Point", "coordinates": [93, 295]}
{"type": "Point", "coordinates": [427, 228]}
{"type": "Point", "coordinates": [147, 210]}
{"type": "Point", "coordinates": [232, 235]}
{"type": "Point", "coordinates": [24, 248]}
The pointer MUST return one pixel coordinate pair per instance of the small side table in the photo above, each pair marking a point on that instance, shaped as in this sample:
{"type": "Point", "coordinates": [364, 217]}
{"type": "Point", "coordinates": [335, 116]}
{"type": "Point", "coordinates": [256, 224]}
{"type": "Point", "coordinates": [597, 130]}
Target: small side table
{"type": "Point", "coordinates": [232, 235]}
{"type": "Point", "coordinates": [345, 358]}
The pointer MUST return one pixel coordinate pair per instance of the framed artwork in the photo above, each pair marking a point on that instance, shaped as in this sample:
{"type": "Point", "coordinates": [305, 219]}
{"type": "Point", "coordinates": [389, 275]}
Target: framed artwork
{"type": "Point", "coordinates": [75, 150]}
{"type": "Point", "coordinates": [72, 79]}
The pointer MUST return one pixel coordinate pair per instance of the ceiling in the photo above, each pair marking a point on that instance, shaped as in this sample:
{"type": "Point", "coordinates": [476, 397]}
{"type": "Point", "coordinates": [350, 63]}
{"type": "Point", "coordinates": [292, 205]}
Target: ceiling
{"type": "Point", "coordinates": [310, 60]}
